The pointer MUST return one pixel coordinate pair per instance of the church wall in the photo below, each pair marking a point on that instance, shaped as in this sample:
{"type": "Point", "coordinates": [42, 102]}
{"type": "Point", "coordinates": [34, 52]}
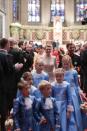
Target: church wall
{"type": "Point", "coordinates": [69, 12]}
{"type": "Point", "coordinates": [8, 18]}
{"type": "Point", "coordinates": [45, 13]}
{"type": "Point", "coordinates": [33, 30]}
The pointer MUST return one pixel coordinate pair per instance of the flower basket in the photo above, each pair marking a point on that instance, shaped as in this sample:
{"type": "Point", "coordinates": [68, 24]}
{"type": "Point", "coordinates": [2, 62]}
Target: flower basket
{"type": "Point", "coordinates": [9, 124]}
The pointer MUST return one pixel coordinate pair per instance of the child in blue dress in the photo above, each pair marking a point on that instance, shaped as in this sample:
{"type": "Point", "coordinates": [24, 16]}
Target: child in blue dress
{"type": "Point", "coordinates": [48, 115]}
{"type": "Point", "coordinates": [62, 93]}
{"type": "Point", "coordinates": [38, 74]}
{"type": "Point", "coordinates": [71, 76]}
{"type": "Point", "coordinates": [23, 109]}
{"type": "Point", "coordinates": [27, 76]}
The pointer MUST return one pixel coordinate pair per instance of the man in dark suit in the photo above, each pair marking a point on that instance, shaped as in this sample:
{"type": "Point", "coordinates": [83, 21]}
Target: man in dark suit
{"type": "Point", "coordinates": [7, 80]}
{"type": "Point", "coordinates": [83, 56]}
{"type": "Point", "coordinates": [18, 56]}
{"type": "Point", "coordinates": [29, 58]}
{"type": "Point", "coordinates": [75, 58]}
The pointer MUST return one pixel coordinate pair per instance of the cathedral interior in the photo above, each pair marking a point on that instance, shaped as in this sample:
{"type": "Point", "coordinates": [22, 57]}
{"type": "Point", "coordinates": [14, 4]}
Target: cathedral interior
{"type": "Point", "coordinates": [34, 19]}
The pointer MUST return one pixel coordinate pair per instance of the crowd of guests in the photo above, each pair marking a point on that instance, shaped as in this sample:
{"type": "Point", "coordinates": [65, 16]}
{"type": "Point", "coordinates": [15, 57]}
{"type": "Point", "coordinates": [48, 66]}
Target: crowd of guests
{"type": "Point", "coordinates": [43, 86]}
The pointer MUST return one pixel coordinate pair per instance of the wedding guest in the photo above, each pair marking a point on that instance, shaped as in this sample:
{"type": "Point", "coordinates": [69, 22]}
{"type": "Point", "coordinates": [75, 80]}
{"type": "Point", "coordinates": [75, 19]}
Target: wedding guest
{"type": "Point", "coordinates": [62, 93]}
{"type": "Point", "coordinates": [23, 109]}
{"type": "Point", "coordinates": [49, 62]}
{"type": "Point", "coordinates": [8, 80]}
{"type": "Point", "coordinates": [39, 74]}
{"type": "Point", "coordinates": [48, 115]}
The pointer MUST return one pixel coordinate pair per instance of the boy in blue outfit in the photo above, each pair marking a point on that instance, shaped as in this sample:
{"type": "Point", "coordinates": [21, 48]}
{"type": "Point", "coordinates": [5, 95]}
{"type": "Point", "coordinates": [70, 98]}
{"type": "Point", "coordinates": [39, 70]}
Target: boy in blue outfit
{"type": "Point", "coordinates": [48, 116]}
{"type": "Point", "coordinates": [27, 76]}
{"type": "Point", "coordinates": [23, 108]}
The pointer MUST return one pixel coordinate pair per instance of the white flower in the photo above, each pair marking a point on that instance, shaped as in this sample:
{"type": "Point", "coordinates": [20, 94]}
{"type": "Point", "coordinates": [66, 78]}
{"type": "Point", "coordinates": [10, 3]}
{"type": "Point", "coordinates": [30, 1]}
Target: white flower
{"type": "Point", "coordinates": [9, 122]}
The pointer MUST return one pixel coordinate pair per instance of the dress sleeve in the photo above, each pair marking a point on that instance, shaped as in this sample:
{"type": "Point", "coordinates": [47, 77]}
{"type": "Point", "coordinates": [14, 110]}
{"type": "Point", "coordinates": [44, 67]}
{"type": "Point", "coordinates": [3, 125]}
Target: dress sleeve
{"type": "Point", "coordinates": [76, 81]}
{"type": "Point", "coordinates": [69, 99]}
{"type": "Point", "coordinates": [56, 115]}
{"type": "Point", "coordinates": [52, 94]}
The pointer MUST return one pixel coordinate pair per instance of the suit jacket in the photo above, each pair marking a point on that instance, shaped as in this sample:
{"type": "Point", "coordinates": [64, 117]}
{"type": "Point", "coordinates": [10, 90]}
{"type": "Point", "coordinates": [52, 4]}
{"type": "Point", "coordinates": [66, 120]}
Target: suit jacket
{"type": "Point", "coordinates": [83, 56]}
{"type": "Point", "coordinates": [17, 55]}
{"type": "Point", "coordinates": [7, 72]}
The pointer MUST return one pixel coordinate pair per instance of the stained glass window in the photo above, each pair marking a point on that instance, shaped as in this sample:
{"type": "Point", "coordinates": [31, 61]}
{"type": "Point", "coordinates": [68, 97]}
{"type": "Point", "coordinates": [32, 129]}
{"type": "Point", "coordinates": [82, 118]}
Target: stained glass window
{"type": "Point", "coordinates": [81, 9]}
{"type": "Point", "coordinates": [33, 10]}
{"type": "Point", "coordinates": [16, 6]}
{"type": "Point", "coordinates": [57, 9]}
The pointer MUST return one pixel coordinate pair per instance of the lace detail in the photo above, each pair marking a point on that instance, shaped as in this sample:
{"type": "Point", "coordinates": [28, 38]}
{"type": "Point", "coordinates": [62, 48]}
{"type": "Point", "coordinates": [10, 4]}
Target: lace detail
{"type": "Point", "coordinates": [28, 103]}
{"type": "Point", "coordinates": [48, 104]}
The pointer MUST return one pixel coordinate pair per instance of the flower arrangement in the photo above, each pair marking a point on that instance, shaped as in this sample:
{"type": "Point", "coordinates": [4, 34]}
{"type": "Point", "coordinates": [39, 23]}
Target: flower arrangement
{"type": "Point", "coordinates": [9, 124]}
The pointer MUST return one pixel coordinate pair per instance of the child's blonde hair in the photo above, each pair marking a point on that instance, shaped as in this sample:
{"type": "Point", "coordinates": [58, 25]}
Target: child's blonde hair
{"type": "Point", "coordinates": [67, 58]}
{"type": "Point", "coordinates": [59, 71]}
{"type": "Point", "coordinates": [43, 84]}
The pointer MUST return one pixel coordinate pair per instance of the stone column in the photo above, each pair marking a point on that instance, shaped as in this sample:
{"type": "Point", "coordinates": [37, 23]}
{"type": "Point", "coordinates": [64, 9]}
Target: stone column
{"type": "Point", "coordinates": [24, 12]}
{"type": "Point", "coordinates": [45, 12]}
{"type": "Point", "coordinates": [8, 18]}
{"type": "Point", "coordinates": [69, 12]}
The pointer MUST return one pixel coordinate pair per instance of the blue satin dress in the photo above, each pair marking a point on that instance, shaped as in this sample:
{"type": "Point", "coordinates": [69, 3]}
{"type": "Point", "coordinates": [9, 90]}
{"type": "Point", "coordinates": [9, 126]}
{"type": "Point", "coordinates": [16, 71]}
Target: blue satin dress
{"type": "Point", "coordinates": [71, 76]}
{"type": "Point", "coordinates": [62, 94]}
{"type": "Point", "coordinates": [37, 78]}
